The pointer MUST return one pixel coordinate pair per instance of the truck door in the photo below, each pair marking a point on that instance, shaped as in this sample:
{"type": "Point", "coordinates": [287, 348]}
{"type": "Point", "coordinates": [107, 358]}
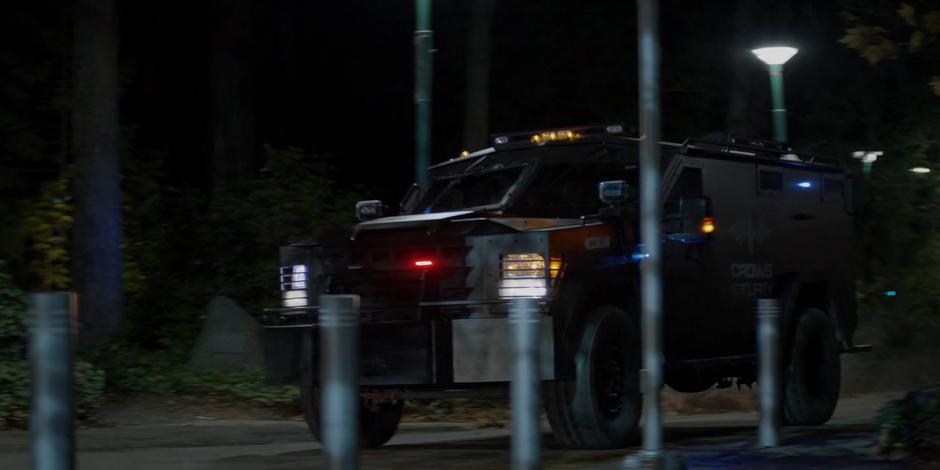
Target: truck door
{"type": "Point", "coordinates": [686, 307]}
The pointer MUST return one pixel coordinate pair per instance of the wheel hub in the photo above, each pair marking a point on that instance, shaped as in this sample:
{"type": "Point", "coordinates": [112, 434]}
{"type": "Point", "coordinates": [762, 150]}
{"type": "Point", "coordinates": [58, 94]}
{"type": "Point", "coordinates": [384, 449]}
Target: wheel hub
{"type": "Point", "coordinates": [611, 380]}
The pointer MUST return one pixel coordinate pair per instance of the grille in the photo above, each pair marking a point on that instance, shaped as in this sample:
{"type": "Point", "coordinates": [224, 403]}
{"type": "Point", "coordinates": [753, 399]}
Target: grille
{"type": "Point", "coordinates": [386, 277]}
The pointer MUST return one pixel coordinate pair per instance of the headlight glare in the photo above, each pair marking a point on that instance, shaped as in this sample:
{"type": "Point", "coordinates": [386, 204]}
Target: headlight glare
{"type": "Point", "coordinates": [523, 275]}
{"type": "Point", "coordinates": [294, 286]}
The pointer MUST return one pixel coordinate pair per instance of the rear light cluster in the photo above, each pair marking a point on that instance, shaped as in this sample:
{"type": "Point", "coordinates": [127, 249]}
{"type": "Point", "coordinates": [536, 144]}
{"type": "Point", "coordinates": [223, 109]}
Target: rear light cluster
{"type": "Point", "coordinates": [294, 286]}
{"type": "Point", "coordinates": [527, 275]}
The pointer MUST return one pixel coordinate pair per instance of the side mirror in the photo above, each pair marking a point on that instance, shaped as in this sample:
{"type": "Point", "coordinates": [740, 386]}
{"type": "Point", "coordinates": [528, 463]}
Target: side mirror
{"type": "Point", "coordinates": [613, 192]}
{"type": "Point", "coordinates": [368, 210]}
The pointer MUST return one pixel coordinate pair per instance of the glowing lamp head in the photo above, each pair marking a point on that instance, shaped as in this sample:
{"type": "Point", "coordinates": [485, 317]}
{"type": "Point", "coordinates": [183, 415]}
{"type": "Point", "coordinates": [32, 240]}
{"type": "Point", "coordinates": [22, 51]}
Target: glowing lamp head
{"type": "Point", "coordinates": [775, 55]}
{"type": "Point", "coordinates": [867, 156]}
{"type": "Point", "coordinates": [920, 170]}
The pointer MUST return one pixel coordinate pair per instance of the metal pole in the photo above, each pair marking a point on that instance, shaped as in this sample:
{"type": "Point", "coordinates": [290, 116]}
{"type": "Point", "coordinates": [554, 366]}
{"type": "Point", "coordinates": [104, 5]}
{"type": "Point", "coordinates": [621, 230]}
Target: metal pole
{"type": "Point", "coordinates": [424, 47]}
{"type": "Point", "coordinates": [51, 416]}
{"type": "Point", "coordinates": [778, 111]}
{"type": "Point", "coordinates": [524, 319]}
{"type": "Point", "coordinates": [768, 361]}
{"type": "Point", "coordinates": [339, 380]}
{"type": "Point", "coordinates": [861, 209]}
{"type": "Point", "coordinates": [651, 288]}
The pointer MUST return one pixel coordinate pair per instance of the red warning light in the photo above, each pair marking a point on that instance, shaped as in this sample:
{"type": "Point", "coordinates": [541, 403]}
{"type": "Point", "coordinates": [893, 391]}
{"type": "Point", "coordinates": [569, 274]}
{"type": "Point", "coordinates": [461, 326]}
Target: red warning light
{"type": "Point", "coordinates": [424, 263]}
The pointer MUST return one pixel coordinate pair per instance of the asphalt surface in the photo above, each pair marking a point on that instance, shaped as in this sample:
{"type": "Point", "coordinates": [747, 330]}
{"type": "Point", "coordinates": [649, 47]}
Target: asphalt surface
{"type": "Point", "coordinates": [726, 440]}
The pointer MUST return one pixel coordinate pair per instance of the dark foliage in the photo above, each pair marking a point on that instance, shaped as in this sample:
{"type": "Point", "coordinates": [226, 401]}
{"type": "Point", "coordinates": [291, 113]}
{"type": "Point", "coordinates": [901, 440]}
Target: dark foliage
{"type": "Point", "coordinates": [866, 78]}
{"type": "Point", "coordinates": [14, 370]}
{"type": "Point", "coordinates": [911, 425]}
{"type": "Point", "coordinates": [186, 246]}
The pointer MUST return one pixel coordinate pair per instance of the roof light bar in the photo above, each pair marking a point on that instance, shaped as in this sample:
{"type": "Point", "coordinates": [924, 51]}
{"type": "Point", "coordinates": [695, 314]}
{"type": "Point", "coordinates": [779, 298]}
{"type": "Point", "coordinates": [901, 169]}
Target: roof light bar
{"type": "Point", "coordinates": [541, 136]}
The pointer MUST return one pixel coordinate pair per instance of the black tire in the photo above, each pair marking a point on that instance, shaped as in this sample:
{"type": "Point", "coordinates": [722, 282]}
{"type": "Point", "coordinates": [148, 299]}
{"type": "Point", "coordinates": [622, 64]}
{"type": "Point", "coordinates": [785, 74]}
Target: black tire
{"type": "Point", "coordinates": [599, 408]}
{"type": "Point", "coordinates": [814, 373]}
{"type": "Point", "coordinates": [376, 427]}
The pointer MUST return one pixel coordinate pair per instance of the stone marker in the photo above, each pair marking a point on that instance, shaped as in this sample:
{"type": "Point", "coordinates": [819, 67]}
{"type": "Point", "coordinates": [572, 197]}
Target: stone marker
{"type": "Point", "coordinates": [230, 338]}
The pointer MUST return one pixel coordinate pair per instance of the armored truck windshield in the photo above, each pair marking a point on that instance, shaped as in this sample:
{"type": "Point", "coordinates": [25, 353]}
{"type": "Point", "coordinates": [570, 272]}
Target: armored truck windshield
{"type": "Point", "coordinates": [483, 190]}
{"type": "Point", "coordinates": [535, 182]}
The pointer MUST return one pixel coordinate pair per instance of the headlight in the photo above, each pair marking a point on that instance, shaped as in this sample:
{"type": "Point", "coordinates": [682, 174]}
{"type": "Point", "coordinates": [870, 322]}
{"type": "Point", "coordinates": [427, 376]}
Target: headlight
{"type": "Point", "coordinates": [294, 286]}
{"type": "Point", "coordinates": [523, 275]}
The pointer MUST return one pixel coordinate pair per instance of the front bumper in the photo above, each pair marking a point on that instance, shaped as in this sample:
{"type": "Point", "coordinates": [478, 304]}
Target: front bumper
{"type": "Point", "coordinates": [419, 348]}
{"type": "Point", "coordinates": [306, 317]}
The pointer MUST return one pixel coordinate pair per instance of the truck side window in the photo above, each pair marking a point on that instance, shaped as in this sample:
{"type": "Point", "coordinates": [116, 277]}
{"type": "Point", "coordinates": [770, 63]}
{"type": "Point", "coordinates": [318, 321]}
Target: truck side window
{"type": "Point", "coordinates": [688, 185]}
{"type": "Point", "coordinates": [770, 180]}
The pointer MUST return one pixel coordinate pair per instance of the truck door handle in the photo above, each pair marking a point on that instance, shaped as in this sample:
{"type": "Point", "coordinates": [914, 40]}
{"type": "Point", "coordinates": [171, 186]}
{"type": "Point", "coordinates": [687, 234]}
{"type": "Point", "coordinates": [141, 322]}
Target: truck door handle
{"type": "Point", "coordinates": [803, 216]}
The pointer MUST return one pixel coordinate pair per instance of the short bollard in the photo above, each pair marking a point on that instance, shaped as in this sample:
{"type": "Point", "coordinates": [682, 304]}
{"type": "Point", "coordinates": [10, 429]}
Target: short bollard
{"type": "Point", "coordinates": [524, 319]}
{"type": "Point", "coordinates": [339, 380]}
{"type": "Point", "coordinates": [769, 380]}
{"type": "Point", "coordinates": [51, 417]}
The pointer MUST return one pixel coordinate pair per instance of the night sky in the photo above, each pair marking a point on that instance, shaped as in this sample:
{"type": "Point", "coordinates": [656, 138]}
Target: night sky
{"type": "Point", "coordinates": [335, 78]}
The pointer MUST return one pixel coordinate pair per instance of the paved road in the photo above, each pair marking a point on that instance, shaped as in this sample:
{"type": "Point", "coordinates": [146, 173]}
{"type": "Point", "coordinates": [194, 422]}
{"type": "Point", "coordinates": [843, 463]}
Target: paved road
{"type": "Point", "coordinates": [705, 441]}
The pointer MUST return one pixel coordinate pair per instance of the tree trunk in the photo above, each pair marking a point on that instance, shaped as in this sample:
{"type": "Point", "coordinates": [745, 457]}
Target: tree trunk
{"type": "Point", "coordinates": [97, 236]}
{"type": "Point", "coordinates": [479, 48]}
{"type": "Point", "coordinates": [233, 146]}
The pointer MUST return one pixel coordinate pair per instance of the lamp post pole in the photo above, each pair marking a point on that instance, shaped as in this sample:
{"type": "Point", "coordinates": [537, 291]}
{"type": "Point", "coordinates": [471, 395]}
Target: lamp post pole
{"type": "Point", "coordinates": [778, 111]}
{"type": "Point", "coordinates": [868, 159]}
{"type": "Point", "coordinates": [424, 46]}
{"type": "Point", "coordinates": [775, 57]}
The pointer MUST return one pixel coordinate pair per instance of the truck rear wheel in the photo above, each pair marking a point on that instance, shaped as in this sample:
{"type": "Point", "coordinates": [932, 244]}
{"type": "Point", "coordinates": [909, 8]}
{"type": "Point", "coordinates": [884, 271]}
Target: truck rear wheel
{"type": "Point", "coordinates": [600, 407]}
{"type": "Point", "coordinates": [376, 427]}
{"type": "Point", "coordinates": [813, 374]}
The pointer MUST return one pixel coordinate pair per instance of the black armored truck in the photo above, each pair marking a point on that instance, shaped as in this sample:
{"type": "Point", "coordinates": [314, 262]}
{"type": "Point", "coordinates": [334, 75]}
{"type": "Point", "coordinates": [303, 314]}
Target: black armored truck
{"type": "Point", "coordinates": [553, 215]}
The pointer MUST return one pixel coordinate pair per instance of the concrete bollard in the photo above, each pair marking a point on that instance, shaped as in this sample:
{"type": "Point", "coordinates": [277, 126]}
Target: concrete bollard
{"type": "Point", "coordinates": [339, 380]}
{"type": "Point", "coordinates": [768, 362]}
{"type": "Point", "coordinates": [525, 321]}
{"type": "Point", "coordinates": [51, 415]}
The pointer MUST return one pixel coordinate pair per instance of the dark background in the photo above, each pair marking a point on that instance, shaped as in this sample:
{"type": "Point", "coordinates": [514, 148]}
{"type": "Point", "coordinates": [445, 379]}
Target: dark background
{"type": "Point", "coordinates": [247, 125]}
{"type": "Point", "coordinates": [336, 77]}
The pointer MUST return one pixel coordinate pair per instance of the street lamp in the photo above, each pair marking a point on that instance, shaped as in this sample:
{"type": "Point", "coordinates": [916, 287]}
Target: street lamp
{"type": "Point", "coordinates": [775, 57]}
{"type": "Point", "coordinates": [868, 158]}
{"type": "Point", "coordinates": [920, 169]}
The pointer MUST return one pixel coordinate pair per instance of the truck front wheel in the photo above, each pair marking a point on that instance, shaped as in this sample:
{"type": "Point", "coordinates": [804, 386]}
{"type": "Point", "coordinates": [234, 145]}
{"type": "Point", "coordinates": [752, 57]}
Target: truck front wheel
{"type": "Point", "coordinates": [813, 374]}
{"type": "Point", "coordinates": [376, 426]}
{"type": "Point", "coordinates": [600, 407]}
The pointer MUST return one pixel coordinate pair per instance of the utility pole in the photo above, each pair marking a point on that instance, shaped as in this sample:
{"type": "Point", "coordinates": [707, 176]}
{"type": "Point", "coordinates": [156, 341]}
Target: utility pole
{"type": "Point", "coordinates": [424, 47]}
{"type": "Point", "coordinates": [525, 323]}
{"type": "Point", "coordinates": [339, 380]}
{"type": "Point", "coordinates": [51, 411]}
{"type": "Point", "coordinates": [769, 378]}
{"type": "Point", "coordinates": [651, 287]}
{"type": "Point", "coordinates": [651, 294]}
